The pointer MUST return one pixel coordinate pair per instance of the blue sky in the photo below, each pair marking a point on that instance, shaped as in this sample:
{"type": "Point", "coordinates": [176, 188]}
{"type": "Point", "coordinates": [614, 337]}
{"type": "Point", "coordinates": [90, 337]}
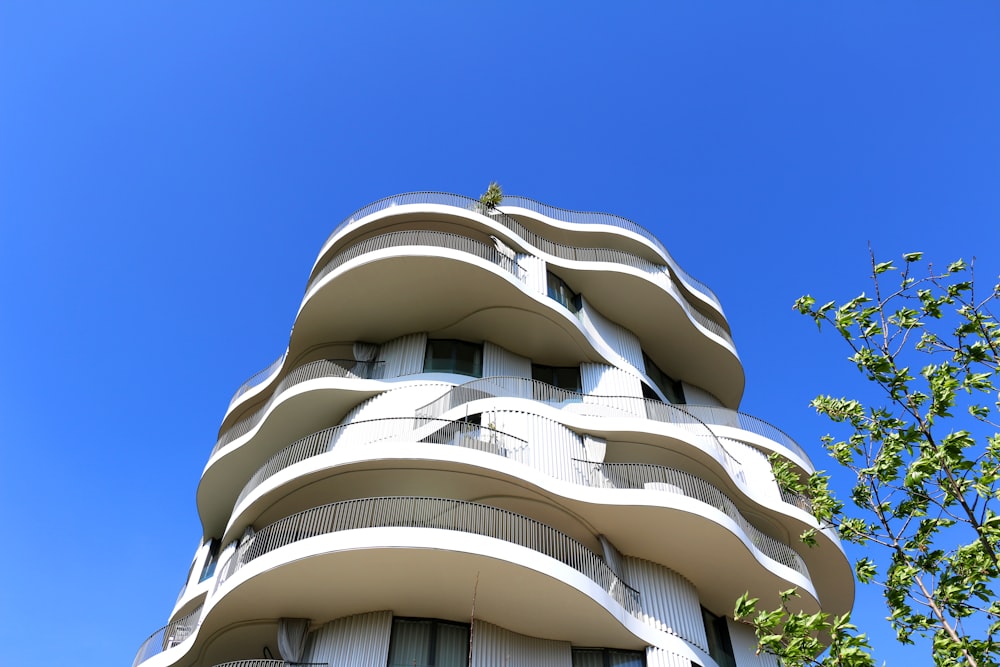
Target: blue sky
{"type": "Point", "coordinates": [168, 171]}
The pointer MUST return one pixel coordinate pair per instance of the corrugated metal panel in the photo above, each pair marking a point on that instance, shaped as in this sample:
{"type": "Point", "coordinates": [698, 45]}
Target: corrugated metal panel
{"type": "Point", "coordinates": [669, 601]}
{"type": "Point", "coordinates": [395, 402]}
{"type": "Point", "coordinates": [744, 642]}
{"type": "Point", "coordinates": [359, 641]}
{"type": "Point", "coordinates": [493, 646]}
{"type": "Point", "coordinates": [604, 380]}
{"type": "Point", "coordinates": [500, 362]}
{"type": "Point", "coordinates": [625, 343]}
{"type": "Point", "coordinates": [404, 355]}
{"type": "Point", "coordinates": [534, 269]}
{"type": "Point", "coordinates": [551, 446]}
{"type": "Point", "coordinates": [658, 657]}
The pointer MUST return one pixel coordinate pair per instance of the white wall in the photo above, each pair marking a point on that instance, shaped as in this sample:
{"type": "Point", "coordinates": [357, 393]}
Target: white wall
{"type": "Point", "coordinates": [359, 641]}
{"type": "Point", "coordinates": [404, 355]}
{"type": "Point", "coordinates": [493, 646]}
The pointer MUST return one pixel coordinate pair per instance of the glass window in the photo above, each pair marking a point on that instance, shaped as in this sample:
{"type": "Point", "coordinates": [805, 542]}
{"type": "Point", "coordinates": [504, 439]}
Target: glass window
{"type": "Point", "coordinates": [560, 291]}
{"type": "Point", "coordinates": [719, 645]}
{"type": "Point", "coordinates": [607, 657]}
{"type": "Point", "coordinates": [213, 558]}
{"type": "Point", "coordinates": [670, 387]}
{"type": "Point", "coordinates": [428, 643]}
{"type": "Point", "coordinates": [454, 356]}
{"type": "Point", "coordinates": [564, 377]}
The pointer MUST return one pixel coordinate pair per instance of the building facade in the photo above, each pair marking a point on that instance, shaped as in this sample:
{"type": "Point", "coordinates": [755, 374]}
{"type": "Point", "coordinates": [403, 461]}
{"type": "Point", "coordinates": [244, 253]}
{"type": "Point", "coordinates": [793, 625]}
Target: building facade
{"type": "Point", "coordinates": [499, 436]}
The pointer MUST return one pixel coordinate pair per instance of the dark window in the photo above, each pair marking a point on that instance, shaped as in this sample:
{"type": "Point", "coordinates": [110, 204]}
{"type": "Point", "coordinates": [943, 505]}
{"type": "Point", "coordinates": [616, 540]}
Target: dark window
{"type": "Point", "coordinates": [560, 291]}
{"type": "Point", "coordinates": [213, 558]}
{"type": "Point", "coordinates": [428, 643]}
{"type": "Point", "coordinates": [719, 645]}
{"type": "Point", "coordinates": [607, 657]}
{"type": "Point", "coordinates": [454, 356]}
{"type": "Point", "coordinates": [670, 387]}
{"type": "Point", "coordinates": [564, 377]}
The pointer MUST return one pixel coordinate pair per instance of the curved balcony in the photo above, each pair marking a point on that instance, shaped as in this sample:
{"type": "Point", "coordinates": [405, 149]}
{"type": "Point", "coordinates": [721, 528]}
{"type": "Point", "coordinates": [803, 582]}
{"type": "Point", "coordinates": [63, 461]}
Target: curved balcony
{"type": "Point", "coordinates": [720, 416]}
{"type": "Point", "coordinates": [443, 514]}
{"type": "Point", "coordinates": [644, 476]}
{"type": "Point", "coordinates": [630, 406]}
{"type": "Point", "coordinates": [419, 238]}
{"type": "Point", "coordinates": [169, 636]}
{"type": "Point", "coordinates": [557, 250]}
{"type": "Point", "coordinates": [718, 345]}
{"type": "Point", "coordinates": [688, 415]}
{"type": "Point", "coordinates": [258, 378]}
{"type": "Point", "coordinates": [324, 368]}
{"type": "Point", "coordinates": [435, 431]}
{"type": "Point", "coordinates": [263, 662]}
{"type": "Point", "coordinates": [471, 436]}
{"type": "Point", "coordinates": [597, 218]}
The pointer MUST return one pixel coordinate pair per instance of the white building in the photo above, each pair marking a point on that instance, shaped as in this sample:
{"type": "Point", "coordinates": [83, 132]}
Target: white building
{"type": "Point", "coordinates": [516, 424]}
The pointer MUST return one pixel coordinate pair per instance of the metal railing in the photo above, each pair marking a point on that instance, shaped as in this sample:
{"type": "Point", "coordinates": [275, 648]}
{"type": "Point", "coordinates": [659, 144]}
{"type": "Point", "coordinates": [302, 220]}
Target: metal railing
{"type": "Point", "coordinates": [711, 414]}
{"type": "Point", "coordinates": [324, 368]}
{"type": "Point", "coordinates": [420, 238]}
{"type": "Point", "coordinates": [588, 217]}
{"type": "Point", "coordinates": [439, 513]}
{"type": "Point", "coordinates": [258, 378]}
{"type": "Point", "coordinates": [565, 252]}
{"type": "Point", "coordinates": [638, 475]}
{"type": "Point", "coordinates": [168, 636]}
{"type": "Point", "coordinates": [263, 662]}
{"type": "Point", "coordinates": [631, 406]}
{"type": "Point", "coordinates": [408, 429]}
{"type": "Point", "coordinates": [611, 256]}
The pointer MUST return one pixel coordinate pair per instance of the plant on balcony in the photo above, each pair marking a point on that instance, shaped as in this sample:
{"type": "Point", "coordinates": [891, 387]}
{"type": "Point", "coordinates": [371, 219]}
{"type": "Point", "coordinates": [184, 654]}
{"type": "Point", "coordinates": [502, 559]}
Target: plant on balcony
{"type": "Point", "coordinates": [490, 199]}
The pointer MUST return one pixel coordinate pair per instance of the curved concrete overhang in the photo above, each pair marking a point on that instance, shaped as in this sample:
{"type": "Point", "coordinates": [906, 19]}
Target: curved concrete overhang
{"type": "Point", "coordinates": [569, 234]}
{"type": "Point", "coordinates": [448, 293]}
{"type": "Point", "coordinates": [426, 572]}
{"type": "Point", "coordinates": [302, 409]}
{"type": "Point", "coordinates": [596, 235]}
{"type": "Point", "coordinates": [578, 511]}
{"type": "Point", "coordinates": [484, 228]}
{"type": "Point", "coordinates": [387, 293]}
{"type": "Point", "coordinates": [680, 345]}
{"type": "Point", "coordinates": [575, 233]}
{"type": "Point", "coordinates": [192, 597]}
{"type": "Point", "coordinates": [766, 445]}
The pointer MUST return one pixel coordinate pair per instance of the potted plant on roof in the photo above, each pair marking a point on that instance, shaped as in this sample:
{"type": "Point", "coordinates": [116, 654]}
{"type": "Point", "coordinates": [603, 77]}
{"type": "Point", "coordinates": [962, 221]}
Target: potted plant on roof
{"type": "Point", "coordinates": [490, 199]}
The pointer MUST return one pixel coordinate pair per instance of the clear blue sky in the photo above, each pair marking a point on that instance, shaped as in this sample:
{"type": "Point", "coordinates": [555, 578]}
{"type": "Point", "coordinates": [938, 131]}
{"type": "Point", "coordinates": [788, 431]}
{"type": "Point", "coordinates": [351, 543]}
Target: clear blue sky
{"type": "Point", "coordinates": [168, 171]}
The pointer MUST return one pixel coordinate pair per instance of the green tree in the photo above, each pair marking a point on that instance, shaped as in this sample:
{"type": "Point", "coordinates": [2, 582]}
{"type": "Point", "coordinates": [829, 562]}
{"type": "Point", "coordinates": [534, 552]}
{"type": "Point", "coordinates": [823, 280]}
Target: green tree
{"type": "Point", "coordinates": [924, 456]}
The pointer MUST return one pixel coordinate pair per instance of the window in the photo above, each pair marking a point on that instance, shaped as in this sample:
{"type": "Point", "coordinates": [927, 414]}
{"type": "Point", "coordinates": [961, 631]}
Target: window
{"type": "Point", "coordinates": [607, 657]}
{"type": "Point", "coordinates": [564, 377]}
{"type": "Point", "coordinates": [213, 558]}
{"type": "Point", "coordinates": [454, 356]}
{"type": "Point", "coordinates": [428, 643]}
{"type": "Point", "coordinates": [670, 387]}
{"type": "Point", "coordinates": [719, 645]}
{"type": "Point", "coordinates": [560, 291]}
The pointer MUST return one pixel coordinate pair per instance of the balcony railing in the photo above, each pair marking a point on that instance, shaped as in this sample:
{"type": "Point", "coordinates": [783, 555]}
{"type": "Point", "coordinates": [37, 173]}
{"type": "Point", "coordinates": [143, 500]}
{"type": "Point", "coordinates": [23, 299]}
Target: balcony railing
{"type": "Point", "coordinates": [443, 514]}
{"type": "Point", "coordinates": [468, 203]}
{"type": "Point", "coordinates": [168, 636]}
{"type": "Point", "coordinates": [640, 475]}
{"type": "Point", "coordinates": [587, 217]}
{"type": "Point", "coordinates": [421, 238]}
{"type": "Point", "coordinates": [407, 429]}
{"type": "Point", "coordinates": [711, 414]}
{"type": "Point", "coordinates": [262, 662]}
{"type": "Point", "coordinates": [632, 406]}
{"type": "Point", "coordinates": [486, 439]}
{"type": "Point", "coordinates": [325, 368]}
{"type": "Point", "coordinates": [258, 378]}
